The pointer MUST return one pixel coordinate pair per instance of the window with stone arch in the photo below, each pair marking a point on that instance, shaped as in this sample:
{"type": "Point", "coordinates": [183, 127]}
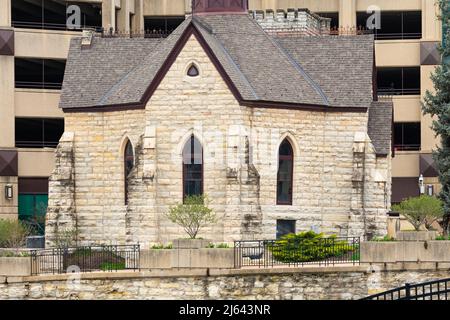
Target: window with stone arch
{"type": "Point", "coordinates": [128, 163]}
{"type": "Point", "coordinates": [285, 173]}
{"type": "Point", "coordinates": [192, 167]}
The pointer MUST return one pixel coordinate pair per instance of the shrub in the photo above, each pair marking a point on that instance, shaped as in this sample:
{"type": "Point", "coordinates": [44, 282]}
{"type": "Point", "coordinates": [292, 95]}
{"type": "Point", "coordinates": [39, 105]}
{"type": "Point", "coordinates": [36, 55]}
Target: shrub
{"type": "Point", "coordinates": [443, 238]}
{"type": "Point", "coordinates": [66, 238]}
{"type": "Point", "coordinates": [310, 246]}
{"type": "Point", "coordinates": [161, 246]}
{"type": "Point", "coordinates": [13, 254]}
{"type": "Point", "coordinates": [192, 215]}
{"type": "Point", "coordinates": [383, 239]}
{"type": "Point", "coordinates": [218, 245]}
{"type": "Point", "coordinates": [13, 234]}
{"type": "Point", "coordinates": [421, 211]}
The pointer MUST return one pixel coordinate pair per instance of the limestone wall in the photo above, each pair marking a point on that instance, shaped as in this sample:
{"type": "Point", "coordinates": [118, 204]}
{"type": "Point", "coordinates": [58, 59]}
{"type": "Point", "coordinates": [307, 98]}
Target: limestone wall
{"type": "Point", "coordinates": [340, 186]}
{"type": "Point", "coordinates": [340, 283]}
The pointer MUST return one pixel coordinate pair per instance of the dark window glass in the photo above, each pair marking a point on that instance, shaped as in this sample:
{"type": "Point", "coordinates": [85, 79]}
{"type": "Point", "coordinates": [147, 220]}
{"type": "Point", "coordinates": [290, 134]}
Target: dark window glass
{"type": "Point", "coordinates": [32, 209]}
{"type": "Point", "coordinates": [39, 73]}
{"type": "Point", "coordinates": [128, 165]}
{"type": "Point", "coordinates": [161, 26]}
{"type": "Point", "coordinates": [394, 24]}
{"type": "Point", "coordinates": [192, 168]}
{"type": "Point", "coordinates": [407, 136]}
{"type": "Point", "coordinates": [398, 81]}
{"type": "Point", "coordinates": [38, 132]}
{"type": "Point", "coordinates": [284, 176]}
{"type": "Point", "coordinates": [52, 14]}
{"type": "Point", "coordinates": [193, 71]}
{"type": "Point", "coordinates": [285, 227]}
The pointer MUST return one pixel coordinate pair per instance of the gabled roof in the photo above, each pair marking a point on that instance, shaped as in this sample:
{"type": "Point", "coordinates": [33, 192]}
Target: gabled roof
{"type": "Point", "coordinates": [260, 70]}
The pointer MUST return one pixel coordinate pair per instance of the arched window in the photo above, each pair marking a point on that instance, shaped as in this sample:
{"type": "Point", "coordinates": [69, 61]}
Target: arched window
{"type": "Point", "coordinates": [285, 171]}
{"type": "Point", "coordinates": [192, 167]}
{"type": "Point", "coordinates": [128, 165]}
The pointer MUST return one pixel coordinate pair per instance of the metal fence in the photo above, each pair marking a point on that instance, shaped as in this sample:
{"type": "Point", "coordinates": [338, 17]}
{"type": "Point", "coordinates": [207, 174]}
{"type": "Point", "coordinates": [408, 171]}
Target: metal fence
{"type": "Point", "coordinates": [273, 253]}
{"type": "Point", "coordinates": [85, 259]}
{"type": "Point", "coordinates": [431, 290]}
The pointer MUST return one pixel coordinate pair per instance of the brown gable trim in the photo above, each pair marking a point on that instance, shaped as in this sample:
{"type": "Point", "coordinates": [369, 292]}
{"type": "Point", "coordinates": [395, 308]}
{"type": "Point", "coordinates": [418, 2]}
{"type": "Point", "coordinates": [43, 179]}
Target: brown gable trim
{"type": "Point", "coordinates": [191, 29]}
{"type": "Point", "coordinates": [295, 106]}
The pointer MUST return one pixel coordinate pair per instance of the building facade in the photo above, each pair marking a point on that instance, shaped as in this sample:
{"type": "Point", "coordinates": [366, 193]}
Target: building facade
{"type": "Point", "coordinates": [34, 43]}
{"type": "Point", "coordinates": [204, 112]}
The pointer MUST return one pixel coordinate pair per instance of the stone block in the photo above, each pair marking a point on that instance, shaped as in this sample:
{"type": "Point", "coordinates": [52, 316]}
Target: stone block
{"type": "Point", "coordinates": [15, 266]}
{"type": "Point", "coordinates": [416, 235]}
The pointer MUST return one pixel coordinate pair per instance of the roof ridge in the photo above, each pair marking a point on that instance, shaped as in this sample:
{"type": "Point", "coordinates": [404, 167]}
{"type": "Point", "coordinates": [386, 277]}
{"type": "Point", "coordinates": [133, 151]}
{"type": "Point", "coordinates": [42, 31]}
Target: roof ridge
{"type": "Point", "coordinates": [228, 56]}
{"type": "Point", "coordinates": [296, 65]}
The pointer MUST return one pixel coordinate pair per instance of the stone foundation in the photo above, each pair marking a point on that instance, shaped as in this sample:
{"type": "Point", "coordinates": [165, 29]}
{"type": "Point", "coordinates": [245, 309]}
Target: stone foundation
{"type": "Point", "coordinates": [338, 283]}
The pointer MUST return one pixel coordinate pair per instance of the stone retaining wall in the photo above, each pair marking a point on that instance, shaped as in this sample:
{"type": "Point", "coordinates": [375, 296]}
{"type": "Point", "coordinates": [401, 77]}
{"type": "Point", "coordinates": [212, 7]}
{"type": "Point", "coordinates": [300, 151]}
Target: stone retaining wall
{"type": "Point", "coordinates": [299, 283]}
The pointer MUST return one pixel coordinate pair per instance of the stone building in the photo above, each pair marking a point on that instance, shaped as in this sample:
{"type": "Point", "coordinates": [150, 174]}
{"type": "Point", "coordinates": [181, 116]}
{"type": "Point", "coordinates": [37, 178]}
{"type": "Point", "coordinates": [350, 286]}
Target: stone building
{"type": "Point", "coordinates": [282, 133]}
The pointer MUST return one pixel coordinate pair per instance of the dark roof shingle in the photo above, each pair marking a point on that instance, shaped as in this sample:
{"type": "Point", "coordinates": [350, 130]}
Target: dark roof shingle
{"type": "Point", "coordinates": [380, 126]}
{"type": "Point", "coordinates": [315, 71]}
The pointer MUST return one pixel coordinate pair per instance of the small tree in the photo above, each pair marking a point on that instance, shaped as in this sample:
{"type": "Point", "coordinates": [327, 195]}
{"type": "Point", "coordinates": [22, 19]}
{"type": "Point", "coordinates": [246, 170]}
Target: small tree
{"type": "Point", "coordinates": [13, 234]}
{"type": "Point", "coordinates": [423, 210]}
{"type": "Point", "coordinates": [437, 105]}
{"type": "Point", "coordinates": [192, 215]}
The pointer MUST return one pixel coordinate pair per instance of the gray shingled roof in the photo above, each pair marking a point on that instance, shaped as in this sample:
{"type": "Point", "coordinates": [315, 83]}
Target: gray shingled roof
{"type": "Point", "coordinates": [380, 126]}
{"type": "Point", "coordinates": [306, 70]}
{"type": "Point", "coordinates": [91, 73]}
{"type": "Point", "coordinates": [341, 65]}
{"type": "Point", "coordinates": [269, 71]}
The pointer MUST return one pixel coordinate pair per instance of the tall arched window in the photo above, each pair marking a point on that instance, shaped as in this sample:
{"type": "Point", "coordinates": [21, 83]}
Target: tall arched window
{"type": "Point", "coordinates": [285, 171]}
{"type": "Point", "coordinates": [128, 165]}
{"type": "Point", "coordinates": [192, 167]}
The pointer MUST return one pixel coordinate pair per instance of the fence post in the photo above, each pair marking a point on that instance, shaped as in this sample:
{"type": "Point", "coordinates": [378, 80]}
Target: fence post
{"type": "Point", "coordinates": [33, 262]}
{"type": "Point", "coordinates": [408, 291]}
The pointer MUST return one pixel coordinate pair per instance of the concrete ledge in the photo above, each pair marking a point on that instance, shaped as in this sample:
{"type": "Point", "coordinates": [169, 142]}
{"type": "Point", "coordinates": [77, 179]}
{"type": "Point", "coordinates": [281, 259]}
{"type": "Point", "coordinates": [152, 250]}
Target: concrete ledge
{"type": "Point", "coordinates": [187, 258]}
{"type": "Point", "coordinates": [416, 235]}
{"type": "Point", "coordinates": [405, 251]}
{"type": "Point", "coordinates": [15, 266]}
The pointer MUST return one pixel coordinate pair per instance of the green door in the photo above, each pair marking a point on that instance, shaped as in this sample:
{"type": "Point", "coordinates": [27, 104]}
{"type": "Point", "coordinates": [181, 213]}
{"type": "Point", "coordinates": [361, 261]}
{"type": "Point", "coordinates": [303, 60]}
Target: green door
{"type": "Point", "coordinates": [32, 210]}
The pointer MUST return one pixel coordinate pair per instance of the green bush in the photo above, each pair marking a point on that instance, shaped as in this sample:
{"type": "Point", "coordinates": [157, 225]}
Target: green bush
{"type": "Point", "coordinates": [218, 245]}
{"type": "Point", "coordinates": [106, 266]}
{"type": "Point", "coordinates": [383, 239]}
{"type": "Point", "coordinates": [161, 246]}
{"type": "Point", "coordinates": [310, 246]}
{"type": "Point", "coordinates": [421, 211]}
{"type": "Point", "coordinates": [13, 234]}
{"type": "Point", "coordinates": [443, 238]}
{"type": "Point", "coordinates": [13, 254]}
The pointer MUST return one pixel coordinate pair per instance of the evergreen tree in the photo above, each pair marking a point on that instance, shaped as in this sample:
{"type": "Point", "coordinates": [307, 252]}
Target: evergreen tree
{"type": "Point", "coordinates": [437, 104]}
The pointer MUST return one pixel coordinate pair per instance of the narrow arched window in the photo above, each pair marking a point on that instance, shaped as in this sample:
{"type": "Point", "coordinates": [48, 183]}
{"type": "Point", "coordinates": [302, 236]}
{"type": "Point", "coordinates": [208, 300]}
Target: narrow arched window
{"type": "Point", "coordinates": [192, 167]}
{"type": "Point", "coordinates": [128, 165]}
{"type": "Point", "coordinates": [285, 171]}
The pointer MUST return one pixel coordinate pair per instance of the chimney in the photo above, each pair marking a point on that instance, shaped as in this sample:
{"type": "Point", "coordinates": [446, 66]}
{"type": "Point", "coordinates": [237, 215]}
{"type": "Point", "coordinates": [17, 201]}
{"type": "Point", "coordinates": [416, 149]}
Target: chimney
{"type": "Point", "coordinates": [86, 38]}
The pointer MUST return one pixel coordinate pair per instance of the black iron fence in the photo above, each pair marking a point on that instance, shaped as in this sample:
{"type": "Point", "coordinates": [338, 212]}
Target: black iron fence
{"type": "Point", "coordinates": [272, 253]}
{"type": "Point", "coordinates": [431, 290]}
{"type": "Point", "coordinates": [85, 259]}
